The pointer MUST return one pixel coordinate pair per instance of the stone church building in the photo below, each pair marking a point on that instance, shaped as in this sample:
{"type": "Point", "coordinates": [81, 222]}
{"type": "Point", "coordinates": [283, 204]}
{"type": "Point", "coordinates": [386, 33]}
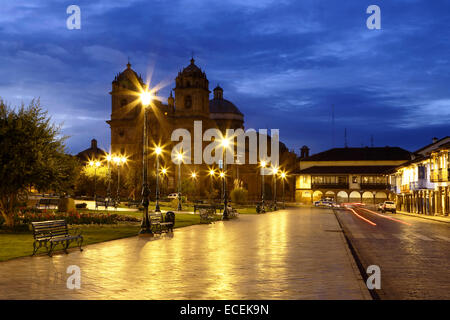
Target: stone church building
{"type": "Point", "coordinates": [189, 102]}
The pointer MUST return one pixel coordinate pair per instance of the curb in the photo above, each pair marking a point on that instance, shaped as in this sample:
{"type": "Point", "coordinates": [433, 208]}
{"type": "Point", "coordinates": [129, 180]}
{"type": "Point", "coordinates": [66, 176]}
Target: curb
{"type": "Point", "coordinates": [434, 218]}
{"type": "Point", "coordinates": [356, 264]}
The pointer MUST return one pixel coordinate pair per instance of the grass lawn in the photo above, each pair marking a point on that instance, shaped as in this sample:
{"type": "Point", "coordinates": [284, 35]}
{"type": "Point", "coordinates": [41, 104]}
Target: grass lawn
{"type": "Point", "coordinates": [14, 245]}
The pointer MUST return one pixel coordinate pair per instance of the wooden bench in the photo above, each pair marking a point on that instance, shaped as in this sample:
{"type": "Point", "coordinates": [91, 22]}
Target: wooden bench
{"type": "Point", "coordinates": [214, 207]}
{"type": "Point", "coordinates": [158, 224]}
{"type": "Point", "coordinates": [53, 232]}
{"type": "Point", "coordinates": [134, 203]}
{"type": "Point", "coordinates": [47, 202]}
{"type": "Point", "coordinates": [207, 215]}
{"type": "Point", "coordinates": [101, 202]}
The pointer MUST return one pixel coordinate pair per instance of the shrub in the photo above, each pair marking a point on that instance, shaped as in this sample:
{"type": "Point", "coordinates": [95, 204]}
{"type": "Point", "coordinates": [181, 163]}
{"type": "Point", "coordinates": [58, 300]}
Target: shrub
{"type": "Point", "coordinates": [66, 205]}
{"type": "Point", "coordinates": [81, 205]}
{"type": "Point", "coordinates": [239, 195]}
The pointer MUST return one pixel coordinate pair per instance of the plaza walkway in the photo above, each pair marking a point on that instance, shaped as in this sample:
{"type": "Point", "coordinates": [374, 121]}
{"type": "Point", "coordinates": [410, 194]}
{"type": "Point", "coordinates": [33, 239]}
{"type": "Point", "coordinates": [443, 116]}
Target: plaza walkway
{"type": "Point", "coordinates": [289, 254]}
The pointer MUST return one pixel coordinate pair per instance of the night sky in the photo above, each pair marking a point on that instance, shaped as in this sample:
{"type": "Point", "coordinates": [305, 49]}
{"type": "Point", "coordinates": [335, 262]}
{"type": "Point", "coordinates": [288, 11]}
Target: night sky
{"type": "Point", "coordinates": [283, 63]}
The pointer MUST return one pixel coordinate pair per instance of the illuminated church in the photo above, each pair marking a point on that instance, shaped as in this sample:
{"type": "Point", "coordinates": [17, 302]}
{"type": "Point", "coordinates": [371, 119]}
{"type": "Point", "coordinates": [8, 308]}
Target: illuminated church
{"type": "Point", "coordinates": [189, 102]}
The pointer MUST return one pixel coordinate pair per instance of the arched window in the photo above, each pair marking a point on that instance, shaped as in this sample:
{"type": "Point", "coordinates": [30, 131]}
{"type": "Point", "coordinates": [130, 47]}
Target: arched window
{"type": "Point", "coordinates": [188, 102]}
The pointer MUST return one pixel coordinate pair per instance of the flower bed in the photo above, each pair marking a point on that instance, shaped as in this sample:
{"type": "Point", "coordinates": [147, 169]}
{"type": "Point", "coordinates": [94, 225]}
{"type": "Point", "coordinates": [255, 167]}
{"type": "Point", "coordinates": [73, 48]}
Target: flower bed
{"type": "Point", "coordinates": [26, 216]}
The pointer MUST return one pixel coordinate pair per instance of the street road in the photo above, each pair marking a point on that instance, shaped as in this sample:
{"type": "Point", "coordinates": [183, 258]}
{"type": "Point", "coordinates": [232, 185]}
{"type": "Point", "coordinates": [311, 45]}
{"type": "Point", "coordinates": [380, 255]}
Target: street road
{"type": "Point", "coordinates": [413, 253]}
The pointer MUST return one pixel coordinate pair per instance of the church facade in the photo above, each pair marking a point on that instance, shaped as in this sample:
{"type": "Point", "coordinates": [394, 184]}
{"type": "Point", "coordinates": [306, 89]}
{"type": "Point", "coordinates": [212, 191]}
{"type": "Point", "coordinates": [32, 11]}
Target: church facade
{"type": "Point", "coordinates": [189, 102]}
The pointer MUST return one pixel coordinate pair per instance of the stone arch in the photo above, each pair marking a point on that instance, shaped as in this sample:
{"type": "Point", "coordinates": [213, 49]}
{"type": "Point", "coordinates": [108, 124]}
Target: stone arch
{"type": "Point", "coordinates": [380, 197]}
{"type": "Point", "coordinates": [317, 195]}
{"type": "Point", "coordinates": [367, 197]}
{"type": "Point", "coordinates": [342, 196]}
{"type": "Point", "coordinates": [355, 196]}
{"type": "Point", "coordinates": [330, 194]}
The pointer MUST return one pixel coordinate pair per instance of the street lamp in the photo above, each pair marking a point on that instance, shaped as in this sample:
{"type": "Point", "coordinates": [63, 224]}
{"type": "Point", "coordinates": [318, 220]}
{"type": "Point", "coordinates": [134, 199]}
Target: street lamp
{"type": "Point", "coordinates": [274, 178]}
{"type": "Point", "coordinates": [158, 151]}
{"type": "Point", "coordinates": [212, 174]}
{"type": "Point", "coordinates": [108, 192]}
{"type": "Point", "coordinates": [163, 174]}
{"type": "Point", "coordinates": [146, 99]}
{"type": "Point", "coordinates": [263, 166]}
{"type": "Point", "coordinates": [95, 164]}
{"type": "Point", "coordinates": [283, 178]}
{"type": "Point", "coordinates": [119, 161]}
{"type": "Point", "coordinates": [194, 178]}
{"type": "Point", "coordinates": [225, 143]}
{"type": "Point", "coordinates": [180, 159]}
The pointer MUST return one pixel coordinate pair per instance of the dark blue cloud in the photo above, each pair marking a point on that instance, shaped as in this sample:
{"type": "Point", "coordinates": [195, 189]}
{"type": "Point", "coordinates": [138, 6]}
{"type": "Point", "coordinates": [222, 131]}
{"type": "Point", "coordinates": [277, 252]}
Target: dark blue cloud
{"type": "Point", "coordinates": [283, 63]}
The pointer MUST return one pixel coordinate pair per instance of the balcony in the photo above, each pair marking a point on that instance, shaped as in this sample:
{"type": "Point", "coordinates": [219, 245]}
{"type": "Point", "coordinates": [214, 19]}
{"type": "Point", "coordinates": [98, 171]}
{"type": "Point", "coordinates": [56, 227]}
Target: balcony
{"type": "Point", "coordinates": [404, 188]}
{"type": "Point", "coordinates": [374, 186]}
{"type": "Point", "coordinates": [421, 184]}
{"type": "Point", "coordinates": [330, 185]}
{"type": "Point", "coordinates": [440, 175]}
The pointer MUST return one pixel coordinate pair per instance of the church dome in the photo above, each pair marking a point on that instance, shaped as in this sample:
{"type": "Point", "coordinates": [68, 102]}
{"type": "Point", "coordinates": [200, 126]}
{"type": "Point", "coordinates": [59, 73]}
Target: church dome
{"type": "Point", "coordinates": [221, 108]}
{"type": "Point", "coordinates": [193, 71]}
{"type": "Point", "coordinates": [127, 76]}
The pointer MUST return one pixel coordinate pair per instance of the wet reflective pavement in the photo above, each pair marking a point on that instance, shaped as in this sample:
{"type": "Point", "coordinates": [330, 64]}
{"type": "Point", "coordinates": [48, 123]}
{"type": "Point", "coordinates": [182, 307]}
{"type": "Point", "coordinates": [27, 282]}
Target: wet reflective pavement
{"type": "Point", "coordinates": [412, 253]}
{"type": "Point", "coordinates": [289, 254]}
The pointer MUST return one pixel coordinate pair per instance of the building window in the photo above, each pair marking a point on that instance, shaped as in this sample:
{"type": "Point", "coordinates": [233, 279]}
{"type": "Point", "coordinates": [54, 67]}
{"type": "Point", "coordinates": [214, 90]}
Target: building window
{"type": "Point", "coordinates": [188, 102]}
{"type": "Point", "coordinates": [354, 179]}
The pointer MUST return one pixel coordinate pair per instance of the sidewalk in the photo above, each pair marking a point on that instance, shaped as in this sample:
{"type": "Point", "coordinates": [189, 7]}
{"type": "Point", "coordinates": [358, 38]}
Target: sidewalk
{"type": "Point", "coordinates": [288, 254]}
{"type": "Point", "coordinates": [424, 216]}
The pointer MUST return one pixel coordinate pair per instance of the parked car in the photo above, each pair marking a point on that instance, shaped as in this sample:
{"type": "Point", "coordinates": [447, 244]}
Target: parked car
{"type": "Point", "coordinates": [324, 203]}
{"type": "Point", "coordinates": [389, 206]}
{"type": "Point", "coordinates": [380, 206]}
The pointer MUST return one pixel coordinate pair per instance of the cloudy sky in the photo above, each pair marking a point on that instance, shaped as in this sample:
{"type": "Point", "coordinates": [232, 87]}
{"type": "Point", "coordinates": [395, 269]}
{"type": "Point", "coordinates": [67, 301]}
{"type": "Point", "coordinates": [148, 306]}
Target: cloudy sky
{"type": "Point", "coordinates": [283, 63]}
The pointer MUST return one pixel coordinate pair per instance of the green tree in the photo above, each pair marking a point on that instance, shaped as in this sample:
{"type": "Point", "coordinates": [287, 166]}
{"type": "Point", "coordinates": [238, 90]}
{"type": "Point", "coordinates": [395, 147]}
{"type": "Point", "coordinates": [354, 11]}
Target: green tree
{"type": "Point", "coordinates": [32, 154]}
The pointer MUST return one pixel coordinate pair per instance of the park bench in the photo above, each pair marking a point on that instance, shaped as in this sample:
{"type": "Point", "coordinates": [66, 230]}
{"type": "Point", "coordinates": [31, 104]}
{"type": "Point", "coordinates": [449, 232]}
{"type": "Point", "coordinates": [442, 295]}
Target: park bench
{"type": "Point", "coordinates": [53, 232]}
{"type": "Point", "coordinates": [207, 215]}
{"type": "Point", "coordinates": [158, 224]}
{"type": "Point", "coordinates": [214, 207]}
{"type": "Point", "coordinates": [47, 202]}
{"type": "Point", "coordinates": [134, 203]}
{"type": "Point", "coordinates": [102, 202]}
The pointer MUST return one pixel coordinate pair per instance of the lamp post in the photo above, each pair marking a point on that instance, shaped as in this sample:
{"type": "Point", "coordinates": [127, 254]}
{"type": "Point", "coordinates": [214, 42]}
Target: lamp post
{"type": "Point", "coordinates": [211, 173]}
{"type": "Point", "coordinates": [283, 177]}
{"type": "Point", "coordinates": [180, 159]}
{"type": "Point", "coordinates": [108, 191]}
{"type": "Point", "coordinates": [225, 143]}
{"type": "Point", "coordinates": [263, 166]}
{"type": "Point", "coordinates": [146, 98]}
{"type": "Point", "coordinates": [158, 151]}
{"type": "Point", "coordinates": [95, 164]}
{"type": "Point", "coordinates": [163, 174]}
{"type": "Point", "coordinates": [194, 178]}
{"type": "Point", "coordinates": [119, 161]}
{"type": "Point", "coordinates": [274, 177]}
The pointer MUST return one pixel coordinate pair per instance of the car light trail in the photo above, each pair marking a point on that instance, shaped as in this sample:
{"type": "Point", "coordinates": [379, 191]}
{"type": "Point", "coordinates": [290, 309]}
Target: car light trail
{"type": "Point", "coordinates": [386, 217]}
{"type": "Point", "coordinates": [362, 218]}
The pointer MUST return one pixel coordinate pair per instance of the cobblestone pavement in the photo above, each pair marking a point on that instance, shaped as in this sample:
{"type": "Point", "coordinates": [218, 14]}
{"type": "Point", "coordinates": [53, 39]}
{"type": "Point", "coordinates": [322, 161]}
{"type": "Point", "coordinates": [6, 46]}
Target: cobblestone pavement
{"type": "Point", "coordinates": [413, 253]}
{"type": "Point", "coordinates": [289, 254]}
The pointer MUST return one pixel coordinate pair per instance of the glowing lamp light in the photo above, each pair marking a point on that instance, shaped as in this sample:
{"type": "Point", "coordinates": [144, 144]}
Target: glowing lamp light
{"type": "Point", "coordinates": [194, 175]}
{"type": "Point", "coordinates": [108, 157]}
{"type": "Point", "coordinates": [158, 150]}
{"type": "Point", "coordinates": [283, 175]}
{"type": "Point", "coordinates": [263, 164]}
{"type": "Point", "coordinates": [274, 170]}
{"type": "Point", "coordinates": [146, 98]}
{"type": "Point", "coordinates": [222, 174]}
{"type": "Point", "coordinates": [211, 172]}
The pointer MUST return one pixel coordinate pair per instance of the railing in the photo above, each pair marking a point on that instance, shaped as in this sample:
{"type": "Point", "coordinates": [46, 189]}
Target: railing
{"type": "Point", "coordinates": [374, 186]}
{"type": "Point", "coordinates": [330, 185]}
{"type": "Point", "coordinates": [440, 175]}
{"type": "Point", "coordinates": [420, 185]}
